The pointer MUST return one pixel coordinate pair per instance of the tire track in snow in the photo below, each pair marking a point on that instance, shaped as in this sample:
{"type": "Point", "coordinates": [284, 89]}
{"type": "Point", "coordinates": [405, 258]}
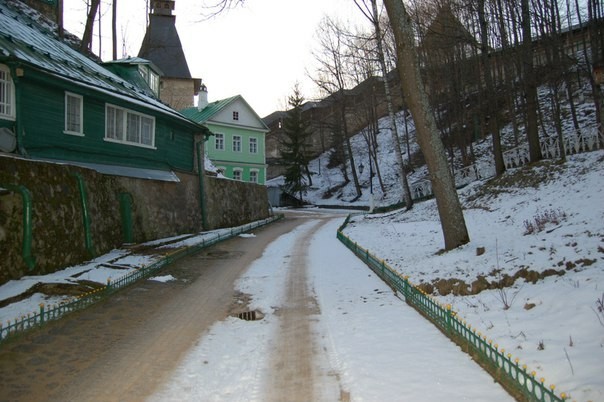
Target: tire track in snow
{"type": "Point", "coordinates": [295, 374]}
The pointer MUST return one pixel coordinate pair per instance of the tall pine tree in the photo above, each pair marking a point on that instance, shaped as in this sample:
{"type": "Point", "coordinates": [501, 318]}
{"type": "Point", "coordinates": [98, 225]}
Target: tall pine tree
{"type": "Point", "coordinates": [294, 147]}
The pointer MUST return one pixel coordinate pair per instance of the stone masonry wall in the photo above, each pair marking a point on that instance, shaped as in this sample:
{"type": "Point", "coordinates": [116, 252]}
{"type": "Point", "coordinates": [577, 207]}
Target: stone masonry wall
{"type": "Point", "coordinates": [232, 203]}
{"type": "Point", "coordinates": [159, 210]}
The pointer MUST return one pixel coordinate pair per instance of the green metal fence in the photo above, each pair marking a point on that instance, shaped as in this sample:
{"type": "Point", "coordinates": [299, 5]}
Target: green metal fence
{"type": "Point", "coordinates": [516, 378]}
{"type": "Point", "coordinates": [36, 319]}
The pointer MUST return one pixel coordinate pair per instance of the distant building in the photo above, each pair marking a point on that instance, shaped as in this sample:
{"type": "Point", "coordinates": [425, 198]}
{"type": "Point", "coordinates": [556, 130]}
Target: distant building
{"type": "Point", "coordinates": [238, 142]}
{"type": "Point", "coordinates": [161, 45]}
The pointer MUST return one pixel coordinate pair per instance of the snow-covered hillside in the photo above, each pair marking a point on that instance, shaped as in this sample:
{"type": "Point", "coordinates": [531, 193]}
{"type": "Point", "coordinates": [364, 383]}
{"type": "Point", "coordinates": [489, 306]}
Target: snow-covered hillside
{"type": "Point", "coordinates": [325, 179]}
{"type": "Point", "coordinates": [532, 277]}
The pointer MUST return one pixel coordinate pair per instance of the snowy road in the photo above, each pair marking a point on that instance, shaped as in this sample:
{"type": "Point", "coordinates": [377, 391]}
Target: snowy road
{"type": "Point", "coordinates": [331, 331]}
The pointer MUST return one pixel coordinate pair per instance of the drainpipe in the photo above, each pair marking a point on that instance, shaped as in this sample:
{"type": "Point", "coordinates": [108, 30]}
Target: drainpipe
{"type": "Point", "coordinates": [126, 214]}
{"type": "Point", "coordinates": [85, 214]}
{"type": "Point", "coordinates": [29, 259]}
{"type": "Point", "coordinates": [202, 199]}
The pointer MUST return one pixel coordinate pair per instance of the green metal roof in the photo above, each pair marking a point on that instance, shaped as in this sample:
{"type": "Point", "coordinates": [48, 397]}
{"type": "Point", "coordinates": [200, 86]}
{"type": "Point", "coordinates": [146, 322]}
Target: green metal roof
{"type": "Point", "coordinates": [136, 61]}
{"type": "Point", "coordinates": [28, 40]}
{"type": "Point", "coordinates": [201, 116]}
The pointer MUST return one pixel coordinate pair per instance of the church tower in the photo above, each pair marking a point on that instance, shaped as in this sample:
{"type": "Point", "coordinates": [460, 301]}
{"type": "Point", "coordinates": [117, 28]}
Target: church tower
{"type": "Point", "coordinates": [162, 46]}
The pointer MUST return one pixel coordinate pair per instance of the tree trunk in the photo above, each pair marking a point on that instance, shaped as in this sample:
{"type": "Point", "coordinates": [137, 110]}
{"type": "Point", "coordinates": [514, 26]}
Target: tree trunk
{"type": "Point", "coordinates": [449, 208]}
{"type": "Point", "coordinates": [492, 107]}
{"type": "Point", "coordinates": [60, 28]}
{"type": "Point", "coordinates": [393, 128]}
{"type": "Point", "coordinates": [530, 86]}
{"type": "Point", "coordinates": [353, 168]}
{"type": "Point", "coordinates": [86, 44]}
{"type": "Point", "coordinates": [114, 29]}
{"type": "Point", "coordinates": [596, 36]}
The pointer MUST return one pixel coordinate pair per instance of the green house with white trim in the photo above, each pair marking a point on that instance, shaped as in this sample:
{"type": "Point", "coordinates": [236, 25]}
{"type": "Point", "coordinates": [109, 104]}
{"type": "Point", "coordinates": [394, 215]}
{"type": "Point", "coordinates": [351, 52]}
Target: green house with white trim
{"type": "Point", "coordinates": [237, 144]}
{"type": "Point", "coordinates": [59, 104]}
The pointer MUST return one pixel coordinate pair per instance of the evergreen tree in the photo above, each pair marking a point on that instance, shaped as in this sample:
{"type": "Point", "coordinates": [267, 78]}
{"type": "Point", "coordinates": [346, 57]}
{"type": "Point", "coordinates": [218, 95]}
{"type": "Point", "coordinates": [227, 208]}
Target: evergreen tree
{"type": "Point", "coordinates": [294, 146]}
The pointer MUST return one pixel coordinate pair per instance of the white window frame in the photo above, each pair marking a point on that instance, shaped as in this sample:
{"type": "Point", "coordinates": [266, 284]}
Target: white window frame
{"type": "Point", "coordinates": [253, 145]}
{"type": "Point", "coordinates": [219, 141]}
{"type": "Point", "coordinates": [237, 172]}
{"type": "Point", "coordinates": [150, 77]}
{"type": "Point", "coordinates": [254, 174]}
{"type": "Point", "coordinates": [7, 94]}
{"type": "Point", "coordinates": [130, 127]}
{"type": "Point", "coordinates": [236, 115]}
{"type": "Point", "coordinates": [237, 143]}
{"type": "Point", "coordinates": [74, 125]}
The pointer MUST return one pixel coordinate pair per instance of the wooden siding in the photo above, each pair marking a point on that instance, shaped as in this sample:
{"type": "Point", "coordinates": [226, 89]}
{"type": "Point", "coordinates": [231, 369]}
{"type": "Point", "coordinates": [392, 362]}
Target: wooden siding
{"type": "Point", "coordinates": [244, 160]}
{"type": "Point", "coordinates": [41, 118]}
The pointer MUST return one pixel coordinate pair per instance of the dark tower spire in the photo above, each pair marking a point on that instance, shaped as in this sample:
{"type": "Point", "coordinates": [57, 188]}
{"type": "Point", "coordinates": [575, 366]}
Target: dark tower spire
{"type": "Point", "coordinates": [161, 44]}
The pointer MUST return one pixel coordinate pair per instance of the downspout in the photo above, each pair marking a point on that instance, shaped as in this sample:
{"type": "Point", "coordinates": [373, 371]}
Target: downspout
{"type": "Point", "coordinates": [29, 260]}
{"type": "Point", "coordinates": [85, 214]}
{"type": "Point", "coordinates": [201, 170]}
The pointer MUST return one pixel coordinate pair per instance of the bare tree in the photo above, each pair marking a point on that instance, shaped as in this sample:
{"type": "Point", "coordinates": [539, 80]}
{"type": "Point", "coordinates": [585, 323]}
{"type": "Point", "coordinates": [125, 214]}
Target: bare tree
{"type": "Point", "coordinates": [490, 88]}
{"type": "Point", "coordinates": [216, 7]}
{"type": "Point", "coordinates": [114, 28]}
{"type": "Point", "coordinates": [595, 25]}
{"type": "Point", "coordinates": [86, 44]}
{"type": "Point", "coordinates": [60, 28]}
{"type": "Point", "coordinates": [373, 16]}
{"type": "Point", "coordinates": [449, 208]}
{"type": "Point", "coordinates": [332, 78]}
{"type": "Point", "coordinates": [367, 108]}
{"type": "Point", "coordinates": [530, 85]}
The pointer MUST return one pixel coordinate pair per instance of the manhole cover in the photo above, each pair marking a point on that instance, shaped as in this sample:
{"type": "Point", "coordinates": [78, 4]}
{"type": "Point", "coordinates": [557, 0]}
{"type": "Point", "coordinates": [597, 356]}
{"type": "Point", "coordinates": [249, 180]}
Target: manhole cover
{"type": "Point", "coordinates": [251, 315]}
{"type": "Point", "coordinates": [219, 254]}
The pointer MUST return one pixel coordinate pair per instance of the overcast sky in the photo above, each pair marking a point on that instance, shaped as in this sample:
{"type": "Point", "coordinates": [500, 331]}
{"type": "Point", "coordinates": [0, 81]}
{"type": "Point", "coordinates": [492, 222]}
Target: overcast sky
{"type": "Point", "coordinates": [258, 51]}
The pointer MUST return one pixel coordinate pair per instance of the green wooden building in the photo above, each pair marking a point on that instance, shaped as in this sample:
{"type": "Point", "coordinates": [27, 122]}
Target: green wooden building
{"type": "Point", "coordinates": [58, 104]}
{"type": "Point", "coordinates": [237, 145]}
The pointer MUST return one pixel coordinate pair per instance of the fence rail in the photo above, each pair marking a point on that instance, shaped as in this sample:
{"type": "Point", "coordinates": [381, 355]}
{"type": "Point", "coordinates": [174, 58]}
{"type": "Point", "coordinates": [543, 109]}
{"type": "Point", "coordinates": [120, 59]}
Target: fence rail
{"type": "Point", "coordinates": [36, 319]}
{"type": "Point", "coordinates": [550, 147]}
{"type": "Point", "coordinates": [514, 376]}
{"type": "Point", "coordinates": [516, 157]}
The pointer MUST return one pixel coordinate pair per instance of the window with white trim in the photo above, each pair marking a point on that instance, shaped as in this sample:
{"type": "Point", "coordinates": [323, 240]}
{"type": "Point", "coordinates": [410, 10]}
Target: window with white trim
{"type": "Point", "coordinates": [129, 127]}
{"type": "Point", "coordinates": [235, 115]}
{"type": "Point", "coordinates": [7, 93]}
{"type": "Point", "coordinates": [236, 143]}
{"type": "Point", "coordinates": [237, 174]}
{"type": "Point", "coordinates": [74, 114]}
{"type": "Point", "coordinates": [219, 141]}
{"type": "Point", "coordinates": [253, 145]}
{"type": "Point", "coordinates": [253, 176]}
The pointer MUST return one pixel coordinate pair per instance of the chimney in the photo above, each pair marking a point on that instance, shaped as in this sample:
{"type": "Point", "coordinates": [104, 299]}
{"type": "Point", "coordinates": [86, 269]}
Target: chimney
{"type": "Point", "coordinates": [202, 98]}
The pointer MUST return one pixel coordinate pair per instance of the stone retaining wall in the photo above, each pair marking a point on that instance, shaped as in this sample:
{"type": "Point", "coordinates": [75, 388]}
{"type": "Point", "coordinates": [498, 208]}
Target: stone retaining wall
{"type": "Point", "coordinates": [158, 209]}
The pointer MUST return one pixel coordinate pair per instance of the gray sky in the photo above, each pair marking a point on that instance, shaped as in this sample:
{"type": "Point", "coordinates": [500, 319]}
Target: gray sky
{"type": "Point", "coordinates": [258, 51]}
